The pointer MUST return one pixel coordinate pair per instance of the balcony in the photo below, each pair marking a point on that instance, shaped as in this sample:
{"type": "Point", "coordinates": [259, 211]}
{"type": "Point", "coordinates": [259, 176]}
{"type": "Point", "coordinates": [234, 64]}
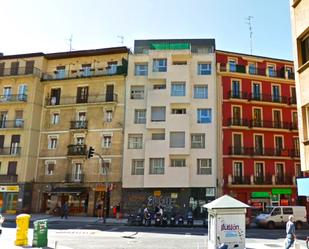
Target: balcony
{"type": "Point", "coordinates": [10, 151]}
{"type": "Point", "coordinates": [78, 125]}
{"type": "Point", "coordinates": [238, 95]}
{"type": "Point", "coordinates": [75, 178]}
{"type": "Point", "coordinates": [270, 124]}
{"type": "Point", "coordinates": [71, 100]}
{"type": "Point", "coordinates": [84, 73]}
{"type": "Point", "coordinates": [240, 179]}
{"type": "Point", "coordinates": [19, 71]}
{"type": "Point", "coordinates": [251, 151]}
{"type": "Point", "coordinates": [294, 153]}
{"type": "Point", "coordinates": [292, 101]}
{"type": "Point", "coordinates": [13, 98]}
{"type": "Point", "coordinates": [284, 180]}
{"type": "Point", "coordinates": [262, 180]}
{"type": "Point", "coordinates": [8, 178]}
{"type": "Point", "coordinates": [236, 122]}
{"type": "Point", "coordinates": [77, 150]}
{"type": "Point", "coordinates": [7, 124]}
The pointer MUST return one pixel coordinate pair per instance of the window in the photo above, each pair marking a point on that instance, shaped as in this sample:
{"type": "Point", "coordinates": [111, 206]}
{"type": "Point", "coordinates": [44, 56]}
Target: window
{"type": "Point", "coordinates": [55, 117]}
{"type": "Point", "coordinates": [258, 144]}
{"type": "Point", "coordinates": [178, 63]}
{"type": "Point", "coordinates": [12, 168]}
{"type": "Point", "coordinates": [106, 166]}
{"type": "Point", "coordinates": [276, 94]}
{"type": "Point", "coordinates": [156, 166]}
{"type": "Point", "coordinates": [277, 118]}
{"type": "Point", "coordinates": [204, 166]}
{"type": "Point", "coordinates": [178, 89]}
{"type": "Point", "coordinates": [137, 92]}
{"type": "Point", "coordinates": [236, 118]}
{"type": "Point", "coordinates": [52, 142]}
{"type": "Point", "coordinates": [271, 70]}
{"type": "Point", "coordinates": [232, 65]}
{"type": "Point", "coordinates": [200, 92]}
{"type": "Point", "coordinates": [7, 92]}
{"type": "Point", "coordinates": [60, 72]}
{"type": "Point", "coordinates": [179, 111]}
{"type": "Point", "coordinates": [49, 167]}
{"type": "Point", "coordinates": [140, 116]}
{"type": "Point", "coordinates": [137, 167]}
{"type": "Point", "coordinates": [237, 170]}
{"type": "Point", "coordinates": [22, 92]}
{"type": "Point", "coordinates": [177, 139]}
{"type": "Point", "coordinates": [305, 49]}
{"type": "Point", "coordinates": [112, 67]}
{"type": "Point", "coordinates": [235, 89]}
{"type": "Point", "coordinates": [298, 172]}
{"type": "Point", "coordinates": [252, 68]}
{"type": "Point", "coordinates": [108, 116]}
{"type": "Point", "coordinates": [278, 145]}
{"type": "Point", "coordinates": [204, 116]}
{"type": "Point", "coordinates": [107, 141]}
{"type": "Point", "coordinates": [82, 94]}
{"type": "Point", "coordinates": [159, 86]}
{"type": "Point", "coordinates": [159, 65]}
{"type": "Point", "coordinates": [141, 69]}
{"type": "Point", "coordinates": [157, 114]}
{"type": "Point", "coordinates": [158, 136]}
{"type": "Point", "coordinates": [259, 171]}
{"type": "Point", "coordinates": [197, 141]}
{"type": "Point", "coordinates": [135, 141]}
{"type": "Point", "coordinates": [19, 121]}
{"type": "Point", "coordinates": [257, 117]}
{"type": "Point", "coordinates": [86, 70]}
{"type": "Point", "coordinates": [256, 91]}
{"type": "Point", "coordinates": [204, 68]}
{"type": "Point", "coordinates": [80, 140]}
{"type": "Point", "coordinates": [178, 162]}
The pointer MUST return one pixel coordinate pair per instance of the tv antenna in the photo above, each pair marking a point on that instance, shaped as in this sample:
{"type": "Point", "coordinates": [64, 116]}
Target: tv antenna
{"type": "Point", "coordinates": [70, 42]}
{"type": "Point", "coordinates": [248, 21]}
{"type": "Point", "coordinates": [121, 37]}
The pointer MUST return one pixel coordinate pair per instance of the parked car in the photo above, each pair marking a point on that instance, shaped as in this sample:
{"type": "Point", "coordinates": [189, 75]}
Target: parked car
{"type": "Point", "coordinates": [277, 216]}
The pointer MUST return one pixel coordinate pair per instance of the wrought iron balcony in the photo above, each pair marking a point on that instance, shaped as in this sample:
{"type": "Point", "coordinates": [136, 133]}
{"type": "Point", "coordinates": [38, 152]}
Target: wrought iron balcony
{"type": "Point", "coordinates": [77, 178]}
{"type": "Point", "coordinates": [79, 125]}
{"type": "Point", "coordinates": [284, 180]}
{"type": "Point", "coordinates": [10, 151]}
{"type": "Point", "coordinates": [17, 123]}
{"type": "Point", "coordinates": [270, 124]}
{"type": "Point", "coordinates": [13, 98]}
{"type": "Point", "coordinates": [263, 180]}
{"type": "Point", "coordinates": [20, 71]}
{"type": "Point", "coordinates": [294, 153]}
{"type": "Point", "coordinates": [240, 179]}
{"type": "Point", "coordinates": [84, 73]}
{"type": "Point", "coordinates": [77, 150]}
{"type": "Point", "coordinates": [292, 101]}
{"type": "Point", "coordinates": [268, 98]}
{"type": "Point", "coordinates": [69, 100]}
{"type": "Point", "coordinates": [236, 122]}
{"type": "Point", "coordinates": [259, 151]}
{"type": "Point", "coordinates": [237, 95]}
{"type": "Point", "coordinates": [8, 178]}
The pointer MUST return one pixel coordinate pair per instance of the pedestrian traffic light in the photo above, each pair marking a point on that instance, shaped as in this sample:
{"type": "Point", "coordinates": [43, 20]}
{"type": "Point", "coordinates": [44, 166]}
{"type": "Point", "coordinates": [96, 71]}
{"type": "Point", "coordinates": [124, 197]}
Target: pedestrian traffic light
{"type": "Point", "coordinates": [90, 152]}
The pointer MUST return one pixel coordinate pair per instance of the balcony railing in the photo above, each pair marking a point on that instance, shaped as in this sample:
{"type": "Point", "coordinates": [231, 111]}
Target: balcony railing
{"type": "Point", "coordinates": [10, 151]}
{"type": "Point", "coordinates": [84, 73]}
{"type": "Point", "coordinates": [284, 180]}
{"type": "Point", "coordinates": [68, 100]}
{"type": "Point", "coordinates": [20, 71]}
{"type": "Point", "coordinates": [75, 178]}
{"type": "Point", "coordinates": [13, 98]}
{"type": "Point", "coordinates": [79, 125]}
{"type": "Point", "coordinates": [77, 150]}
{"type": "Point", "coordinates": [294, 153]}
{"type": "Point", "coordinates": [236, 122]}
{"type": "Point", "coordinates": [237, 95]}
{"type": "Point", "coordinates": [241, 180]}
{"type": "Point", "coordinates": [292, 101]}
{"type": "Point", "coordinates": [251, 151]}
{"type": "Point", "coordinates": [262, 180]}
{"type": "Point", "coordinates": [8, 178]}
{"type": "Point", "coordinates": [270, 124]}
{"type": "Point", "coordinates": [17, 123]}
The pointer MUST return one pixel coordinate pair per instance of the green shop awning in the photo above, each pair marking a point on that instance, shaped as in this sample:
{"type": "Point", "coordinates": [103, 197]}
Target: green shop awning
{"type": "Point", "coordinates": [281, 191]}
{"type": "Point", "coordinates": [260, 195]}
{"type": "Point", "coordinates": [170, 46]}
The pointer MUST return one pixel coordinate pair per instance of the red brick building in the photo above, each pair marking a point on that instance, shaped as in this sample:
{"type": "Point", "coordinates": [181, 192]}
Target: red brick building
{"type": "Point", "coordinates": [260, 153]}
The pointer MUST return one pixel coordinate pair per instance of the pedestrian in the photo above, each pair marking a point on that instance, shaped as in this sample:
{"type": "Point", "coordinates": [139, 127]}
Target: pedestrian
{"type": "Point", "coordinates": [99, 208]}
{"type": "Point", "coordinates": [118, 211]}
{"type": "Point", "coordinates": [145, 214]}
{"type": "Point", "coordinates": [290, 233]}
{"type": "Point", "coordinates": [64, 210]}
{"type": "Point", "coordinates": [1, 222]}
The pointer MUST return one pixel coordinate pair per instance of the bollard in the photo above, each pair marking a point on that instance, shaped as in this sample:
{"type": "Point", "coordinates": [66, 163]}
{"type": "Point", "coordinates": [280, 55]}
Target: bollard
{"type": "Point", "coordinates": [22, 226]}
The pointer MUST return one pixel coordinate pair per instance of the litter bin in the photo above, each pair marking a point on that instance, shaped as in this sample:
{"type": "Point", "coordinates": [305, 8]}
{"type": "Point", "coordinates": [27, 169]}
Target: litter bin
{"type": "Point", "coordinates": [22, 222]}
{"type": "Point", "coordinates": [40, 233]}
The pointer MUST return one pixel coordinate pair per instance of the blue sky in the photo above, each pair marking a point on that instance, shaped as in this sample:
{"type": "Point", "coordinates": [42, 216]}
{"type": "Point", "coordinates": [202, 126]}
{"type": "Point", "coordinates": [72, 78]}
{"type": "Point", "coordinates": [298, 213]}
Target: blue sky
{"type": "Point", "coordinates": [46, 25]}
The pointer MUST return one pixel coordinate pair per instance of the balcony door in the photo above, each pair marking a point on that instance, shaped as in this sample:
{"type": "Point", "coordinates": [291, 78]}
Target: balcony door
{"type": "Point", "coordinates": [259, 172]}
{"type": "Point", "coordinates": [278, 145]}
{"type": "Point", "coordinates": [236, 115]}
{"type": "Point", "coordinates": [237, 172]}
{"type": "Point", "coordinates": [7, 92]}
{"type": "Point", "coordinates": [109, 93]}
{"type": "Point", "coordinates": [232, 65]}
{"type": "Point", "coordinates": [256, 91]}
{"type": "Point", "coordinates": [235, 89]}
{"type": "Point", "coordinates": [19, 122]}
{"type": "Point", "coordinates": [258, 144]}
{"type": "Point", "coordinates": [3, 118]}
{"type": "Point", "coordinates": [14, 68]}
{"type": "Point", "coordinates": [22, 92]}
{"type": "Point", "coordinates": [29, 67]}
{"type": "Point", "coordinates": [1, 141]}
{"type": "Point", "coordinates": [280, 172]}
{"type": "Point", "coordinates": [12, 168]}
{"type": "Point", "coordinates": [296, 146]}
{"type": "Point", "coordinates": [276, 94]}
{"type": "Point", "coordinates": [237, 143]}
{"type": "Point", "coordinates": [55, 96]}
{"type": "Point", "coordinates": [15, 140]}
{"type": "Point", "coordinates": [82, 94]}
{"type": "Point", "coordinates": [77, 172]}
{"type": "Point", "coordinates": [257, 117]}
{"type": "Point", "coordinates": [81, 120]}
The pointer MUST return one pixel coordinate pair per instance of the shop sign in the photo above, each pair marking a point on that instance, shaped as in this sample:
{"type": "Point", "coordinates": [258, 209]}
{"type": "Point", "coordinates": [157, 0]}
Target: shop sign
{"type": "Point", "coordinates": [157, 193]}
{"type": "Point", "coordinates": [9, 188]}
{"type": "Point", "coordinates": [275, 198]}
{"type": "Point", "coordinates": [174, 195]}
{"type": "Point", "coordinates": [260, 195]}
{"type": "Point", "coordinates": [281, 191]}
{"type": "Point", "coordinates": [284, 202]}
{"type": "Point", "coordinates": [257, 204]}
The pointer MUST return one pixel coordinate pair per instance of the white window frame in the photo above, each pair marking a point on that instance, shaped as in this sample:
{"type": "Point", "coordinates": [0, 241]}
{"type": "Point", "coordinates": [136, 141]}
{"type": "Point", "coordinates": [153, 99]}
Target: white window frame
{"type": "Point", "coordinates": [200, 143]}
{"type": "Point", "coordinates": [107, 140]}
{"type": "Point", "coordinates": [53, 146]}
{"type": "Point", "coordinates": [138, 118]}
{"type": "Point", "coordinates": [158, 66]}
{"type": "Point", "coordinates": [156, 166]}
{"type": "Point", "coordinates": [106, 161]}
{"type": "Point", "coordinates": [48, 162]}
{"type": "Point", "coordinates": [204, 68]}
{"type": "Point", "coordinates": [200, 116]}
{"type": "Point", "coordinates": [200, 92]}
{"type": "Point", "coordinates": [108, 116]}
{"type": "Point", "coordinates": [178, 162]}
{"type": "Point", "coordinates": [204, 166]}
{"type": "Point", "coordinates": [54, 120]}
{"type": "Point", "coordinates": [178, 89]}
{"type": "Point", "coordinates": [136, 168]}
{"type": "Point", "coordinates": [136, 92]}
{"type": "Point", "coordinates": [135, 141]}
{"type": "Point", "coordinates": [139, 71]}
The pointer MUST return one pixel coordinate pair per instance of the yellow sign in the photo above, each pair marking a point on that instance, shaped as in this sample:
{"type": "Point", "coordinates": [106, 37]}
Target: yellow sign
{"type": "Point", "coordinates": [9, 188]}
{"type": "Point", "coordinates": [157, 193]}
{"type": "Point", "coordinates": [174, 195]}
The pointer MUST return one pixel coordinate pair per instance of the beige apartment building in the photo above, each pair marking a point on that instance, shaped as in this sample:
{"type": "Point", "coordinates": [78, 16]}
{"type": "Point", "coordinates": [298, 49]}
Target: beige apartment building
{"type": "Point", "coordinates": [83, 106]}
{"type": "Point", "coordinates": [300, 32]}
{"type": "Point", "coordinates": [170, 141]}
{"type": "Point", "coordinates": [20, 116]}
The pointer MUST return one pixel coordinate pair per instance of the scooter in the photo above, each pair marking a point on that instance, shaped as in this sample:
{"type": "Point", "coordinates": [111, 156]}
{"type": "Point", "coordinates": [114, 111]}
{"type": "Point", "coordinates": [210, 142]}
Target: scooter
{"type": "Point", "coordinates": [173, 220]}
{"type": "Point", "coordinates": [138, 220]}
{"type": "Point", "coordinates": [131, 220]}
{"type": "Point", "coordinates": [164, 220]}
{"type": "Point", "coordinates": [158, 220]}
{"type": "Point", "coordinates": [147, 219]}
{"type": "Point", "coordinates": [190, 219]}
{"type": "Point", "coordinates": [180, 221]}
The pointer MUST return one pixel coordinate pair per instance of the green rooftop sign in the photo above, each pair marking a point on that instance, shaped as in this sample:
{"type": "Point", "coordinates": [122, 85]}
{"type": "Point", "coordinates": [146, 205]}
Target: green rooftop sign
{"type": "Point", "coordinates": [170, 46]}
{"type": "Point", "coordinates": [260, 195]}
{"type": "Point", "coordinates": [281, 191]}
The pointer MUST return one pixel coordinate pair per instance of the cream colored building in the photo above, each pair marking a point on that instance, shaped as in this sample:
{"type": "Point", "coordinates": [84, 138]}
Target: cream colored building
{"type": "Point", "coordinates": [83, 106]}
{"type": "Point", "coordinates": [300, 31]}
{"type": "Point", "coordinates": [170, 141]}
{"type": "Point", "coordinates": [20, 115]}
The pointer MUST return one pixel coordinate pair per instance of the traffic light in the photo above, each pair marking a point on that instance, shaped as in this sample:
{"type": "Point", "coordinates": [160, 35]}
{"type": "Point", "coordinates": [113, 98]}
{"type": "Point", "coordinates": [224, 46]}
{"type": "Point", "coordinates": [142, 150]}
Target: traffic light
{"type": "Point", "coordinates": [90, 152]}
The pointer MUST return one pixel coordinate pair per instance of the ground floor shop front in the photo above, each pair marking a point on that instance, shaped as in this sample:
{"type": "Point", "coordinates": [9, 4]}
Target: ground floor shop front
{"type": "Point", "coordinates": [82, 199]}
{"type": "Point", "coordinates": [172, 200]}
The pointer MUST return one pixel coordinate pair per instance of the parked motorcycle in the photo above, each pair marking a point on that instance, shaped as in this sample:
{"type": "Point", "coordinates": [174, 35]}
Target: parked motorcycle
{"type": "Point", "coordinates": [173, 220]}
{"type": "Point", "coordinates": [180, 221]}
{"type": "Point", "coordinates": [147, 219]}
{"type": "Point", "coordinates": [131, 220]}
{"type": "Point", "coordinates": [164, 220]}
{"type": "Point", "coordinates": [138, 220]}
{"type": "Point", "coordinates": [190, 219]}
{"type": "Point", "coordinates": [158, 220]}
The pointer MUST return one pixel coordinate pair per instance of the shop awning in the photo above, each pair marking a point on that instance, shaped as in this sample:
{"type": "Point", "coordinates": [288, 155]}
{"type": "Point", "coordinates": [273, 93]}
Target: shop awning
{"type": "Point", "coordinates": [281, 191]}
{"type": "Point", "coordinates": [260, 195]}
{"type": "Point", "coordinates": [68, 190]}
{"type": "Point", "coordinates": [303, 186]}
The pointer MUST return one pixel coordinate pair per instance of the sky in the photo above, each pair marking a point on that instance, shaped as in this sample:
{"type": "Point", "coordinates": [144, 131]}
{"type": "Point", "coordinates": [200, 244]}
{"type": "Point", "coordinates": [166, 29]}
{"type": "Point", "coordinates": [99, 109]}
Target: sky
{"type": "Point", "coordinates": [46, 25]}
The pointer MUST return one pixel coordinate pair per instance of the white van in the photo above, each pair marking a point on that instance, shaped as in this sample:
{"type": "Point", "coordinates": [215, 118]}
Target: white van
{"type": "Point", "coordinates": [278, 216]}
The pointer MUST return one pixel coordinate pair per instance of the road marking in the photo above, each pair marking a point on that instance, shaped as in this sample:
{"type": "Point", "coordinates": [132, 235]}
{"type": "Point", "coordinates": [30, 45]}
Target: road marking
{"type": "Point", "coordinates": [187, 234]}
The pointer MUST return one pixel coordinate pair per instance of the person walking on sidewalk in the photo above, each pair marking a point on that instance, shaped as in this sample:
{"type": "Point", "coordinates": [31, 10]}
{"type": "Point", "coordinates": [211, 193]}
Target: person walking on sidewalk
{"type": "Point", "coordinates": [100, 208]}
{"type": "Point", "coordinates": [64, 210]}
{"type": "Point", "coordinates": [290, 233]}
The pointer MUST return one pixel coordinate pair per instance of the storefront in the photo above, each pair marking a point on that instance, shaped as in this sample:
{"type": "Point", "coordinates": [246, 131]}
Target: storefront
{"type": "Point", "coordinates": [8, 199]}
{"type": "Point", "coordinates": [281, 197]}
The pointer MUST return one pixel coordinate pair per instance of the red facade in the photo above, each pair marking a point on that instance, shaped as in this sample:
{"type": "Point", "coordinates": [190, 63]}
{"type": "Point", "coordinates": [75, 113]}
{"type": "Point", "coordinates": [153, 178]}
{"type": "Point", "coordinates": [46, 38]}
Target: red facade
{"type": "Point", "coordinates": [259, 127]}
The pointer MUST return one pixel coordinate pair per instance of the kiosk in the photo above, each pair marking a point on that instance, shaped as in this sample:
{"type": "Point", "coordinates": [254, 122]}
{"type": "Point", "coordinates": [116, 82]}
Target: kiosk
{"type": "Point", "coordinates": [226, 223]}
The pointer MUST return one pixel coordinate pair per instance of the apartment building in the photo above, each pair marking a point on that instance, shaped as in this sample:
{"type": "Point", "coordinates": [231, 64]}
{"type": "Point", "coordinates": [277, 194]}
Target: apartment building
{"type": "Point", "coordinates": [20, 115]}
{"type": "Point", "coordinates": [260, 152]}
{"type": "Point", "coordinates": [83, 106]}
{"type": "Point", "coordinates": [300, 32]}
{"type": "Point", "coordinates": [170, 141]}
